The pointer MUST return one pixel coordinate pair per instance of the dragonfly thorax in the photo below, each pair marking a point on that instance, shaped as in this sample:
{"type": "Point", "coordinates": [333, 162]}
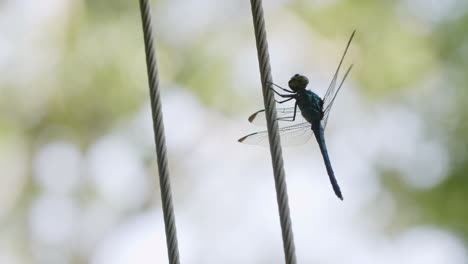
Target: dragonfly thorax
{"type": "Point", "coordinates": [298, 83]}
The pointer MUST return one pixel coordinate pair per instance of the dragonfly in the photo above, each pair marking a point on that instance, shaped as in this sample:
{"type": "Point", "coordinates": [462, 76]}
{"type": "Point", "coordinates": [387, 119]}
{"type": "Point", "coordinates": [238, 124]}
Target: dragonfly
{"type": "Point", "coordinates": [314, 110]}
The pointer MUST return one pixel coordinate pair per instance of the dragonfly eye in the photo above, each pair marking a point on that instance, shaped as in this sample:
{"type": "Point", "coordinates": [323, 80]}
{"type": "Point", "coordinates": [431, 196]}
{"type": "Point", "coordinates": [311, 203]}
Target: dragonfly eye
{"type": "Point", "coordinates": [298, 82]}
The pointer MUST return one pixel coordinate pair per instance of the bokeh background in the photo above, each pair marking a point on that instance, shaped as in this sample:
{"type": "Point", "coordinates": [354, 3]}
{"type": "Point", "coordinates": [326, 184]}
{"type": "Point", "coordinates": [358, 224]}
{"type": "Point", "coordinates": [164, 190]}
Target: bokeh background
{"type": "Point", "coordinates": [78, 178]}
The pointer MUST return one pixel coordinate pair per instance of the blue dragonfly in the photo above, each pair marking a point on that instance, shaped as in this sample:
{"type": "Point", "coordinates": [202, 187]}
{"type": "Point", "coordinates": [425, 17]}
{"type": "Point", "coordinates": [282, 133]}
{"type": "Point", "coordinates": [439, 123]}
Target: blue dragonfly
{"type": "Point", "coordinates": [314, 111]}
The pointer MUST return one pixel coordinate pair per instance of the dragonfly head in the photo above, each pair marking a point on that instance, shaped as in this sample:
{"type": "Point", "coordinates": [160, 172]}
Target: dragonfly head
{"type": "Point", "coordinates": [298, 82]}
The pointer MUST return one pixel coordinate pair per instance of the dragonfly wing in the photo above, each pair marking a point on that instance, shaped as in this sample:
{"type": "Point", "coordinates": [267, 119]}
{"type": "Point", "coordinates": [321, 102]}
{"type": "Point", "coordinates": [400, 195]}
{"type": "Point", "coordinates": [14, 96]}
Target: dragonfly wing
{"type": "Point", "coordinates": [258, 118]}
{"type": "Point", "coordinates": [324, 121]}
{"type": "Point", "coordinates": [257, 138]}
{"type": "Point", "coordinates": [331, 88]}
{"type": "Point", "coordinates": [290, 135]}
{"type": "Point", "coordinates": [326, 111]}
{"type": "Point", "coordinates": [296, 135]}
{"type": "Point", "coordinates": [330, 95]}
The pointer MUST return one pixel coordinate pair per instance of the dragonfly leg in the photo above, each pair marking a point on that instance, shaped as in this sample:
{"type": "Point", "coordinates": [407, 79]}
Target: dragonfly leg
{"type": "Point", "coordinates": [283, 95]}
{"type": "Point", "coordinates": [280, 102]}
{"type": "Point", "coordinates": [289, 118]}
{"type": "Point", "coordinates": [286, 90]}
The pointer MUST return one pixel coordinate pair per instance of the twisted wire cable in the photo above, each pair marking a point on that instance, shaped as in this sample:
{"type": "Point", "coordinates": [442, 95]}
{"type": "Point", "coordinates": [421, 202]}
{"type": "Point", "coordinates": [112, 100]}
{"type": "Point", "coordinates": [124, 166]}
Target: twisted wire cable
{"type": "Point", "coordinates": [158, 127]}
{"type": "Point", "coordinates": [273, 133]}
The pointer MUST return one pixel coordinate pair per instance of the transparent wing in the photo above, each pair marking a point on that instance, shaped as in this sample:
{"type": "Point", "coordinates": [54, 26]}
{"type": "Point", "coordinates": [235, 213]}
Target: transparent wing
{"type": "Point", "coordinates": [258, 118]}
{"type": "Point", "coordinates": [290, 135]}
{"type": "Point", "coordinates": [329, 95]}
{"type": "Point", "coordinates": [326, 110]}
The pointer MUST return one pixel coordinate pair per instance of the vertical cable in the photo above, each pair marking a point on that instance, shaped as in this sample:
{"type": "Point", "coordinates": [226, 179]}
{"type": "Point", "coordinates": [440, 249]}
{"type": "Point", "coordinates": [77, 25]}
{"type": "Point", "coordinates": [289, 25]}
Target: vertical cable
{"type": "Point", "coordinates": [158, 127]}
{"type": "Point", "coordinates": [273, 134]}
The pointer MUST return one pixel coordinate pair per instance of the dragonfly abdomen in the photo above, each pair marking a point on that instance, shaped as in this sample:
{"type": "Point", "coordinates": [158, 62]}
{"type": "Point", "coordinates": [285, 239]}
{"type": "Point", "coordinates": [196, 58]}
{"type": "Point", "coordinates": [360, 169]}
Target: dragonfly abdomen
{"type": "Point", "coordinates": [319, 135]}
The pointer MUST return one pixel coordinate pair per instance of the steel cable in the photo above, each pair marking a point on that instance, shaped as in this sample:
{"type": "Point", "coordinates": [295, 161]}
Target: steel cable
{"type": "Point", "coordinates": [160, 141]}
{"type": "Point", "coordinates": [273, 134]}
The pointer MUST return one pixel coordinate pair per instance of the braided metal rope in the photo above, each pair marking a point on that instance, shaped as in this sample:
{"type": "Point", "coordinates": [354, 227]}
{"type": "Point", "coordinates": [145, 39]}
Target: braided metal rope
{"type": "Point", "coordinates": [274, 138]}
{"type": "Point", "coordinates": [158, 127]}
